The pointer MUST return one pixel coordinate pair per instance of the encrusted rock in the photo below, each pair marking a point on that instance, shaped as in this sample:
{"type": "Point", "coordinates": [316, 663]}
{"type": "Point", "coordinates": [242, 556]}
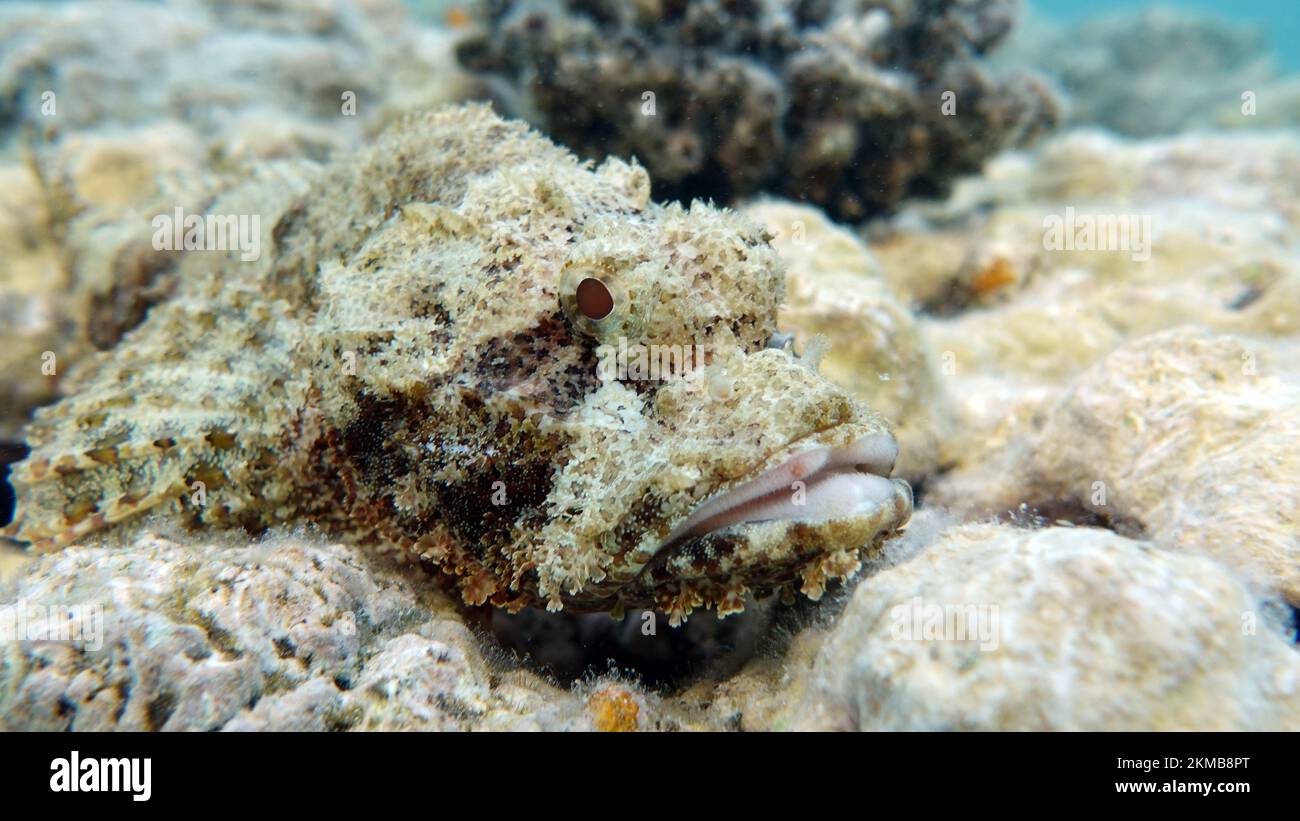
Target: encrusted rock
{"type": "Point", "coordinates": [255, 78]}
{"type": "Point", "coordinates": [283, 635]}
{"type": "Point", "coordinates": [1211, 228]}
{"type": "Point", "coordinates": [994, 628]}
{"type": "Point", "coordinates": [1188, 437]}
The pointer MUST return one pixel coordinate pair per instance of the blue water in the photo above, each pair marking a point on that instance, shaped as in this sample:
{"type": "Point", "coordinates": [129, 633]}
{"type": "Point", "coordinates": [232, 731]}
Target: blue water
{"type": "Point", "coordinates": [1279, 18]}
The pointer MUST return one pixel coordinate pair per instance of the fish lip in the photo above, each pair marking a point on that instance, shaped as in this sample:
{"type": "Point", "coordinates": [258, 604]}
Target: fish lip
{"type": "Point", "coordinates": [873, 454]}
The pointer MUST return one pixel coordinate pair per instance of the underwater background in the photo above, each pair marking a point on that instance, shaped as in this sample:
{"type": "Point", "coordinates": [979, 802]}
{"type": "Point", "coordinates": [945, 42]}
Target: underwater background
{"type": "Point", "coordinates": [1054, 246]}
{"type": "Point", "coordinates": [1280, 19]}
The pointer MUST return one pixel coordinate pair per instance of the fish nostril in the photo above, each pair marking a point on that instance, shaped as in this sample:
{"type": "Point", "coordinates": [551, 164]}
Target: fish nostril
{"type": "Point", "coordinates": [781, 342]}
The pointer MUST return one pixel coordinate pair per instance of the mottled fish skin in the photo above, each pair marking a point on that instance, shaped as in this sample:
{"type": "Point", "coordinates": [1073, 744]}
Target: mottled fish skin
{"type": "Point", "coordinates": [407, 365]}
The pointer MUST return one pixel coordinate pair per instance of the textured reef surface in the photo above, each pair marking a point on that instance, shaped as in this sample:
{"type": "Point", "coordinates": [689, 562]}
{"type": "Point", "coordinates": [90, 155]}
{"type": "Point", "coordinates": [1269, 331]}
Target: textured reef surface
{"type": "Point", "coordinates": [1103, 435]}
{"type": "Point", "coordinates": [249, 78]}
{"type": "Point", "coordinates": [1167, 410]}
{"type": "Point", "coordinates": [1093, 631]}
{"type": "Point", "coordinates": [841, 104]}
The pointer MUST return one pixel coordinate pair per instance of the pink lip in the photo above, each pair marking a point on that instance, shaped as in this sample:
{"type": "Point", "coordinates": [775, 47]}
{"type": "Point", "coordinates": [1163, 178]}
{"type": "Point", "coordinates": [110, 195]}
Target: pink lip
{"type": "Point", "coordinates": [837, 482]}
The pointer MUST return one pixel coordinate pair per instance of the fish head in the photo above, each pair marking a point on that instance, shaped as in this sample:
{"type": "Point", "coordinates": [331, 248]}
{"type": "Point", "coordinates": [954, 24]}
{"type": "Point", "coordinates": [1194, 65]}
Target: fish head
{"type": "Point", "coordinates": [600, 420]}
{"type": "Point", "coordinates": [700, 464]}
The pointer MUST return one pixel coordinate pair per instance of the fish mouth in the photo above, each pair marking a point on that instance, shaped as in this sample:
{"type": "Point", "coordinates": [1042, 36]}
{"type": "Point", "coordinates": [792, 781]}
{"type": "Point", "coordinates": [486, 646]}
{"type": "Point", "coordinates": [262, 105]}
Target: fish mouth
{"type": "Point", "coordinates": [818, 484]}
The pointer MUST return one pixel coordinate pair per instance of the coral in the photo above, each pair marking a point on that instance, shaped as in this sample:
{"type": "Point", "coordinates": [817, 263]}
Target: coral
{"type": "Point", "coordinates": [1220, 236]}
{"type": "Point", "coordinates": [835, 103]}
{"type": "Point", "coordinates": [287, 635]}
{"type": "Point", "coordinates": [254, 78]}
{"type": "Point", "coordinates": [995, 628]}
{"type": "Point", "coordinates": [1188, 437]}
{"type": "Point", "coordinates": [1068, 383]}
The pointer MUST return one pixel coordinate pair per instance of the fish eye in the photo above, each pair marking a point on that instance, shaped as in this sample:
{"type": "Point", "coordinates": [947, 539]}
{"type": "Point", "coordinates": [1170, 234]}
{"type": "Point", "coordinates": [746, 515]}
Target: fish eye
{"type": "Point", "coordinates": [594, 299]}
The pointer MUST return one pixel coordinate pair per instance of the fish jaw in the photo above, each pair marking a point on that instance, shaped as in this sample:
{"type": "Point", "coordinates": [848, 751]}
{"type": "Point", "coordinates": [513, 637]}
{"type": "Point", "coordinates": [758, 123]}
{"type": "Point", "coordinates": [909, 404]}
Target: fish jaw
{"type": "Point", "coordinates": [778, 555]}
{"type": "Point", "coordinates": [815, 484]}
{"type": "Point", "coordinates": [809, 517]}
{"type": "Point", "coordinates": [803, 516]}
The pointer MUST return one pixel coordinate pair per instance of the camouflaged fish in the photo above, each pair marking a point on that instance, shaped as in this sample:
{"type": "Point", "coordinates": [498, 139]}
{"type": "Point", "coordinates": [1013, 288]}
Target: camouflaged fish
{"type": "Point", "coordinates": [443, 348]}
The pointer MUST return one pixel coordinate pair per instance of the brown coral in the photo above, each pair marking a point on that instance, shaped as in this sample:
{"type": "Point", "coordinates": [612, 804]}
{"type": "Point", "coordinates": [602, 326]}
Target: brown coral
{"type": "Point", "coordinates": [852, 105]}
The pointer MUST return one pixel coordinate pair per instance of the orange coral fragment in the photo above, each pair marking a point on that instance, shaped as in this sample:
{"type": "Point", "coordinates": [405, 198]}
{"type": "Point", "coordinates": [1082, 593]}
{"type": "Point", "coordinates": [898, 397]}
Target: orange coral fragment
{"type": "Point", "coordinates": [997, 274]}
{"type": "Point", "coordinates": [614, 710]}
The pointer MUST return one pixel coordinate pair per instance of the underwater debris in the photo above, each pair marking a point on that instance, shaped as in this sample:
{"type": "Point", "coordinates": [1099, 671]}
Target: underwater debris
{"type": "Point", "coordinates": [850, 105]}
